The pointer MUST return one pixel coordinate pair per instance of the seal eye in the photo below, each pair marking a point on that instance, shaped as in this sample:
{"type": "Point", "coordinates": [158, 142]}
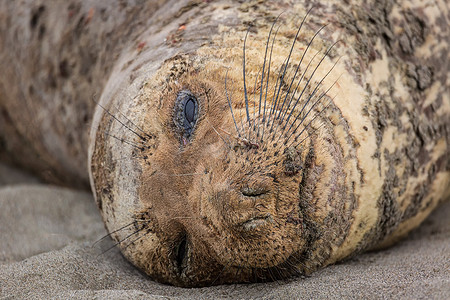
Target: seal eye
{"type": "Point", "coordinates": [186, 114]}
{"type": "Point", "coordinates": [189, 111]}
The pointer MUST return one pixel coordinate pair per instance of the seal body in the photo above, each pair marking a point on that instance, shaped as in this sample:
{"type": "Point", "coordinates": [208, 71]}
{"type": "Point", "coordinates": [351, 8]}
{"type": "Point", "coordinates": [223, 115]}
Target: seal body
{"type": "Point", "coordinates": [230, 143]}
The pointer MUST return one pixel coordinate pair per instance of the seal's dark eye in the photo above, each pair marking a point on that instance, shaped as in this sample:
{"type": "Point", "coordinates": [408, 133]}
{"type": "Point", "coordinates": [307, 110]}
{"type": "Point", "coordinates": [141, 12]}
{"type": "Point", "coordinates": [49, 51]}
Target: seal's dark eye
{"type": "Point", "coordinates": [186, 114]}
{"type": "Point", "coordinates": [189, 111]}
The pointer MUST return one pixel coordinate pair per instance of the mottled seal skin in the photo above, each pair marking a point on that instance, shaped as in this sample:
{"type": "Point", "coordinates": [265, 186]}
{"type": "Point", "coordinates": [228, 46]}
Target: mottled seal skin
{"type": "Point", "coordinates": [204, 176]}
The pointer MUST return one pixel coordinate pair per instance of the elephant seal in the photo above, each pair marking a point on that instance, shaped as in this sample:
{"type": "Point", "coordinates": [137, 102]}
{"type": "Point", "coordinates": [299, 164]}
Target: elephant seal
{"type": "Point", "coordinates": [232, 142]}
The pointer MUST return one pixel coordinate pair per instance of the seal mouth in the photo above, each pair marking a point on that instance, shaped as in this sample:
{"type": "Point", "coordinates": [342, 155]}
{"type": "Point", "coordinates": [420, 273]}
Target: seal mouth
{"type": "Point", "coordinates": [254, 191]}
{"type": "Point", "coordinates": [257, 222]}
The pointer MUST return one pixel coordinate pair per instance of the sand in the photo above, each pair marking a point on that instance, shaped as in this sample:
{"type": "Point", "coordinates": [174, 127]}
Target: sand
{"type": "Point", "coordinates": [47, 251]}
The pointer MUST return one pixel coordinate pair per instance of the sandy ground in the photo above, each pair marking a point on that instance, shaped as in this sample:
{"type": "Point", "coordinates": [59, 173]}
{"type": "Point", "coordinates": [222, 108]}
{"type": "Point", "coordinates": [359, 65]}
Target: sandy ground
{"type": "Point", "coordinates": [46, 252]}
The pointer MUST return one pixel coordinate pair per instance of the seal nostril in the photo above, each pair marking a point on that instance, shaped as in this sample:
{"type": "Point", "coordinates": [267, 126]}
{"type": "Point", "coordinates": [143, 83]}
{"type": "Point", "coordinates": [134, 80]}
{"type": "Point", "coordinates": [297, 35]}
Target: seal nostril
{"type": "Point", "coordinates": [181, 253]}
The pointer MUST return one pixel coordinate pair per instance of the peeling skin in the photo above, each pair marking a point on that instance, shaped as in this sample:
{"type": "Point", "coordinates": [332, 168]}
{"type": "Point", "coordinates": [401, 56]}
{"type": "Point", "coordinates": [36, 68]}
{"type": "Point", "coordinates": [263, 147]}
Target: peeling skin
{"type": "Point", "coordinates": [227, 205]}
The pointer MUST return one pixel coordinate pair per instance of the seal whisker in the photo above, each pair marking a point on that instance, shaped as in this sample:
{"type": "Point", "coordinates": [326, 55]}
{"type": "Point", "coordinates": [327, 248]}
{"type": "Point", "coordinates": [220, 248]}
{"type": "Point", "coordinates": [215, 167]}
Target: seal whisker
{"type": "Point", "coordinates": [254, 96]}
{"type": "Point", "coordinates": [299, 64]}
{"type": "Point", "coordinates": [230, 106]}
{"type": "Point", "coordinates": [293, 262]}
{"type": "Point", "coordinates": [309, 135]}
{"type": "Point", "coordinates": [307, 125]}
{"type": "Point", "coordinates": [263, 71]}
{"type": "Point", "coordinates": [268, 76]}
{"type": "Point", "coordinates": [312, 94]}
{"type": "Point", "coordinates": [109, 234]}
{"type": "Point", "coordinates": [319, 113]}
{"type": "Point", "coordinates": [130, 157]}
{"type": "Point", "coordinates": [220, 273]}
{"type": "Point", "coordinates": [132, 123]}
{"type": "Point", "coordinates": [137, 239]}
{"type": "Point", "coordinates": [139, 147]}
{"type": "Point", "coordinates": [320, 98]}
{"type": "Point", "coordinates": [183, 218]}
{"type": "Point", "coordinates": [243, 73]}
{"type": "Point", "coordinates": [298, 84]}
{"type": "Point", "coordinates": [280, 271]}
{"type": "Point", "coordinates": [273, 104]}
{"type": "Point", "coordinates": [240, 139]}
{"type": "Point", "coordinates": [182, 174]}
{"type": "Point", "coordinates": [278, 276]}
{"type": "Point", "coordinates": [293, 95]}
{"type": "Point", "coordinates": [122, 123]}
{"type": "Point", "coordinates": [254, 106]}
{"type": "Point", "coordinates": [277, 108]}
{"type": "Point", "coordinates": [265, 271]}
{"type": "Point", "coordinates": [296, 71]}
{"type": "Point", "coordinates": [221, 137]}
{"type": "Point", "coordinates": [240, 114]}
{"type": "Point", "coordinates": [121, 241]}
{"type": "Point", "coordinates": [290, 53]}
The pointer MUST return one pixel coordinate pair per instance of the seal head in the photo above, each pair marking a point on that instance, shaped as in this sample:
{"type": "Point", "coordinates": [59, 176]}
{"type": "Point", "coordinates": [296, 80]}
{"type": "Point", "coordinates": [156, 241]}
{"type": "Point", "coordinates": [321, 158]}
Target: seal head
{"type": "Point", "coordinates": [219, 199]}
{"type": "Point", "coordinates": [230, 170]}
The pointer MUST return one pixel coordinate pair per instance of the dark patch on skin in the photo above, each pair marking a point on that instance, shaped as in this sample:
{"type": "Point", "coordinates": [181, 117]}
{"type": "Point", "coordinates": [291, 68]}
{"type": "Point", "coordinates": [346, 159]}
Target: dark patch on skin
{"type": "Point", "coordinates": [366, 28]}
{"type": "Point", "coordinates": [64, 69]}
{"type": "Point", "coordinates": [189, 6]}
{"type": "Point", "coordinates": [400, 48]}
{"type": "Point", "coordinates": [390, 215]}
{"type": "Point", "coordinates": [414, 33]}
{"type": "Point", "coordinates": [351, 140]}
{"type": "Point", "coordinates": [421, 191]}
{"type": "Point", "coordinates": [36, 15]}
{"type": "Point", "coordinates": [422, 75]}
